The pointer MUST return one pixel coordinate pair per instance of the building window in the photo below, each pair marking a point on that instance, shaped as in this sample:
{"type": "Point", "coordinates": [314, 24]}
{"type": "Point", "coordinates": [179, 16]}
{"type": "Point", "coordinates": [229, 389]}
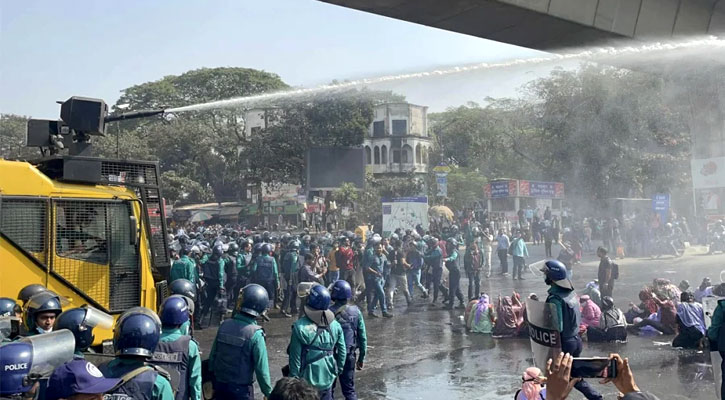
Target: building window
{"type": "Point", "coordinates": [367, 155]}
{"type": "Point", "coordinates": [255, 131]}
{"type": "Point", "coordinates": [384, 155]}
{"type": "Point", "coordinates": [418, 156]}
{"type": "Point", "coordinates": [377, 155]}
{"type": "Point", "coordinates": [379, 129]}
{"type": "Point", "coordinates": [407, 154]}
{"type": "Point", "coordinates": [425, 155]}
{"type": "Point", "coordinates": [400, 127]}
{"type": "Point", "coordinates": [396, 156]}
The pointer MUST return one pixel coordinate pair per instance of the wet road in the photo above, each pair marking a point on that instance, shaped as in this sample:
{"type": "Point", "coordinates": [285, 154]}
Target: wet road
{"type": "Point", "coordinates": [424, 352]}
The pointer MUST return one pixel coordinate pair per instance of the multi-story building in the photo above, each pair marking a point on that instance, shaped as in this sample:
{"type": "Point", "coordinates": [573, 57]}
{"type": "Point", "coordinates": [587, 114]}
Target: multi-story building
{"type": "Point", "coordinates": [398, 139]}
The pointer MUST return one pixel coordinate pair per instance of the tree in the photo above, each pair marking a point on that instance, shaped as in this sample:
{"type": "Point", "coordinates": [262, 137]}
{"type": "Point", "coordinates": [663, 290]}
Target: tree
{"type": "Point", "coordinates": [465, 187]}
{"type": "Point", "coordinates": [12, 137]}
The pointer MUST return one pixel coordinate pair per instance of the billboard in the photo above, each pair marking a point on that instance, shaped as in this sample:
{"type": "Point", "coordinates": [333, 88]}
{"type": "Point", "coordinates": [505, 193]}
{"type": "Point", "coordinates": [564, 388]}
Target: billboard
{"type": "Point", "coordinates": [708, 173]}
{"type": "Point", "coordinates": [404, 213]}
{"type": "Point", "coordinates": [547, 190]}
{"type": "Point", "coordinates": [330, 167]}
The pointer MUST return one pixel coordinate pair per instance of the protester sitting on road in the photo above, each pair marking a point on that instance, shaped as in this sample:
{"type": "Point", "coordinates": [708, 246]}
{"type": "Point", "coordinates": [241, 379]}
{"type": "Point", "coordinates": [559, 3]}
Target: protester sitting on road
{"type": "Point", "coordinates": [690, 323]}
{"type": "Point", "coordinates": [592, 290]}
{"type": "Point", "coordinates": [664, 321]}
{"type": "Point", "coordinates": [646, 308]}
{"type": "Point", "coordinates": [704, 290]}
{"type": "Point", "coordinates": [509, 316]}
{"type": "Point", "coordinates": [612, 324]}
{"type": "Point", "coordinates": [590, 312]}
{"type": "Point", "coordinates": [532, 387]}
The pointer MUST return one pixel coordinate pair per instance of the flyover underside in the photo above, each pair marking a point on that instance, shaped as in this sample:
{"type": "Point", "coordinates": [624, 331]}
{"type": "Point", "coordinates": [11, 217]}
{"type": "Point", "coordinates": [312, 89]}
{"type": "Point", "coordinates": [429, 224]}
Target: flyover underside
{"type": "Point", "coordinates": [488, 19]}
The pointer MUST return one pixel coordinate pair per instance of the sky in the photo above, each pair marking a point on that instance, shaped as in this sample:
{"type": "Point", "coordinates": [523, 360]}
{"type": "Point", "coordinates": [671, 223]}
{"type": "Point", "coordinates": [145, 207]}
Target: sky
{"type": "Point", "coordinates": [51, 50]}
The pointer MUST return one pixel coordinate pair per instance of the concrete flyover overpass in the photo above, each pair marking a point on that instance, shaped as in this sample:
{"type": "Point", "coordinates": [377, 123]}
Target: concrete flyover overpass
{"type": "Point", "coordinates": [555, 24]}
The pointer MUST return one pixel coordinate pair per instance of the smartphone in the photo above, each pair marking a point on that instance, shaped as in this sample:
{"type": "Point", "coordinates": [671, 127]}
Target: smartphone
{"type": "Point", "coordinates": [593, 367]}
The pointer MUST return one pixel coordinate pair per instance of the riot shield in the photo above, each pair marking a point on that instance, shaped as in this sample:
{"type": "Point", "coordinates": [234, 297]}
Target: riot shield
{"type": "Point", "coordinates": [544, 332]}
{"type": "Point", "coordinates": [709, 304]}
{"type": "Point", "coordinates": [50, 350]}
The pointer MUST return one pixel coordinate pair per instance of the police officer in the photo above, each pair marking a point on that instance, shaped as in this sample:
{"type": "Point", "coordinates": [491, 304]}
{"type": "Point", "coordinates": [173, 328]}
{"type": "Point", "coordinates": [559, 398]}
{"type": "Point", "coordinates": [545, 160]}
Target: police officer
{"type": "Point", "coordinates": [184, 267]}
{"type": "Point", "coordinates": [317, 350]}
{"type": "Point", "coordinates": [564, 299]}
{"type": "Point", "coordinates": [40, 312]}
{"type": "Point", "coordinates": [244, 259]}
{"type": "Point", "coordinates": [187, 289]}
{"type": "Point", "coordinates": [135, 338]}
{"type": "Point", "coordinates": [177, 353]}
{"type": "Point", "coordinates": [265, 272]}
{"type": "Point", "coordinates": [239, 351]}
{"type": "Point", "coordinates": [81, 321]}
{"type": "Point", "coordinates": [454, 274]}
{"type": "Point", "coordinates": [29, 291]}
{"type": "Point", "coordinates": [434, 259]}
{"type": "Point", "coordinates": [214, 279]}
{"type": "Point", "coordinates": [22, 365]}
{"type": "Point", "coordinates": [351, 320]}
{"type": "Point", "coordinates": [7, 306]}
{"type": "Point", "coordinates": [9, 321]}
{"type": "Point", "coordinates": [290, 268]}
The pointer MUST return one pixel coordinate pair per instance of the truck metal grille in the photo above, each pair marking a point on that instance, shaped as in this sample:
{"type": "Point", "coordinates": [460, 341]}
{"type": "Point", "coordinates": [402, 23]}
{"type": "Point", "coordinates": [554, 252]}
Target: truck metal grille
{"type": "Point", "coordinates": [23, 221]}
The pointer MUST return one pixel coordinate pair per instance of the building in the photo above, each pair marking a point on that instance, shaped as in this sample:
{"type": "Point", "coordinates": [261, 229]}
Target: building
{"type": "Point", "coordinates": [398, 140]}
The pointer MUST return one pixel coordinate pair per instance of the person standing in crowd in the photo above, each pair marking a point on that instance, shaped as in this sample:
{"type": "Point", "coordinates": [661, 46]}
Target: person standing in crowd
{"type": "Point", "coordinates": [265, 272]}
{"type": "Point", "coordinates": [434, 259]}
{"type": "Point", "coordinates": [414, 265]}
{"type": "Point", "coordinates": [375, 268]}
{"type": "Point", "coordinates": [345, 260]}
{"type": "Point", "coordinates": [397, 277]}
{"type": "Point", "coordinates": [519, 251]}
{"type": "Point", "coordinates": [177, 352]}
{"type": "Point", "coordinates": [351, 320]}
{"type": "Point", "coordinates": [548, 233]}
{"type": "Point", "coordinates": [290, 268]}
{"type": "Point", "coordinates": [317, 350]}
{"type": "Point", "coordinates": [239, 351]}
{"type": "Point", "coordinates": [563, 297]}
{"type": "Point", "coordinates": [606, 274]}
{"type": "Point", "coordinates": [333, 270]}
{"type": "Point", "coordinates": [486, 242]}
{"type": "Point", "coordinates": [40, 312]}
{"type": "Point", "coordinates": [454, 274]}
{"type": "Point", "coordinates": [472, 266]}
{"type": "Point", "coordinates": [307, 271]}
{"type": "Point", "coordinates": [214, 278]}
{"type": "Point", "coordinates": [135, 338]}
{"type": "Point", "coordinates": [230, 271]}
{"type": "Point", "coordinates": [184, 268]}
{"type": "Point", "coordinates": [502, 248]}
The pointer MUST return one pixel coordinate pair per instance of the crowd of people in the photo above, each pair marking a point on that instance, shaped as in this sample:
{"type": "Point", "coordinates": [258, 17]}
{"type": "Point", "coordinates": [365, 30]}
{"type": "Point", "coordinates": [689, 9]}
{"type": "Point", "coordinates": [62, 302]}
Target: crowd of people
{"type": "Point", "coordinates": [225, 276]}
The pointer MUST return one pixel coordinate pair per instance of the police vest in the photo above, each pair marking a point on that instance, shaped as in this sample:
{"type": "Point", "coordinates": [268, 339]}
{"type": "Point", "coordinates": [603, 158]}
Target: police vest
{"type": "Point", "coordinates": [452, 264]}
{"type": "Point", "coordinates": [139, 387]}
{"type": "Point", "coordinates": [233, 360]}
{"type": "Point", "coordinates": [571, 315]}
{"type": "Point", "coordinates": [173, 357]}
{"type": "Point", "coordinates": [291, 261]}
{"type": "Point", "coordinates": [211, 271]}
{"type": "Point", "coordinates": [265, 269]}
{"type": "Point", "coordinates": [323, 350]}
{"type": "Point", "coordinates": [348, 316]}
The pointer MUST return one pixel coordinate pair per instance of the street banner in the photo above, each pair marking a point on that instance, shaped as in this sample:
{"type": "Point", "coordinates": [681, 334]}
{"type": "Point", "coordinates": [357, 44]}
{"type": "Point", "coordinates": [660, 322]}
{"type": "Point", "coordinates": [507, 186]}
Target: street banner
{"type": "Point", "coordinates": [442, 181]}
{"type": "Point", "coordinates": [543, 331]}
{"type": "Point", "coordinates": [404, 213]}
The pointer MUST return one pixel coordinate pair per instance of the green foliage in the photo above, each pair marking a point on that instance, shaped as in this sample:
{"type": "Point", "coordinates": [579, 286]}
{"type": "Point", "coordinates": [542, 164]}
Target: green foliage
{"type": "Point", "coordinates": [12, 137]}
{"type": "Point", "coordinates": [464, 188]}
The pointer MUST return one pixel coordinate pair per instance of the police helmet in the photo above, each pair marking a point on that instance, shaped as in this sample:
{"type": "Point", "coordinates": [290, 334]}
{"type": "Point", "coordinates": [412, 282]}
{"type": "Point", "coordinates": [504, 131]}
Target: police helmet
{"type": "Point", "coordinates": [218, 250]}
{"type": "Point", "coordinates": [253, 300]}
{"type": "Point", "coordinates": [350, 234]}
{"type": "Point", "coordinates": [81, 321]}
{"type": "Point", "coordinates": [374, 240]}
{"type": "Point", "coordinates": [257, 247]}
{"type": "Point", "coordinates": [555, 271]}
{"type": "Point", "coordinates": [340, 290]}
{"type": "Point", "coordinates": [29, 291]}
{"type": "Point", "coordinates": [233, 248]}
{"type": "Point", "coordinates": [286, 237]}
{"type": "Point", "coordinates": [15, 362]}
{"type": "Point", "coordinates": [266, 236]}
{"type": "Point", "coordinates": [7, 306]}
{"type": "Point", "coordinates": [174, 311]}
{"type": "Point", "coordinates": [394, 236]}
{"type": "Point", "coordinates": [607, 303]}
{"type": "Point", "coordinates": [137, 333]}
{"type": "Point", "coordinates": [306, 239]}
{"type": "Point", "coordinates": [183, 287]}
{"type": "Point", "coordinates": [256, 239]}
{"type": "Point", "coordinates": [319, 298]}
{"type": "Point", "coordinates": [452, 242]}
{"type": "Point", "coordinates": [43, 302]}
{"type": "Point", "coordinates": [266, 248]}
{"type": "Point", "coordinates": [294, 245]}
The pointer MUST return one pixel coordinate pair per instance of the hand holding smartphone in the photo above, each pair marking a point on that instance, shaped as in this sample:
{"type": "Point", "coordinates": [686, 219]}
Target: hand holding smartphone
{"type": "Point", "coordinates": [594, 367]}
